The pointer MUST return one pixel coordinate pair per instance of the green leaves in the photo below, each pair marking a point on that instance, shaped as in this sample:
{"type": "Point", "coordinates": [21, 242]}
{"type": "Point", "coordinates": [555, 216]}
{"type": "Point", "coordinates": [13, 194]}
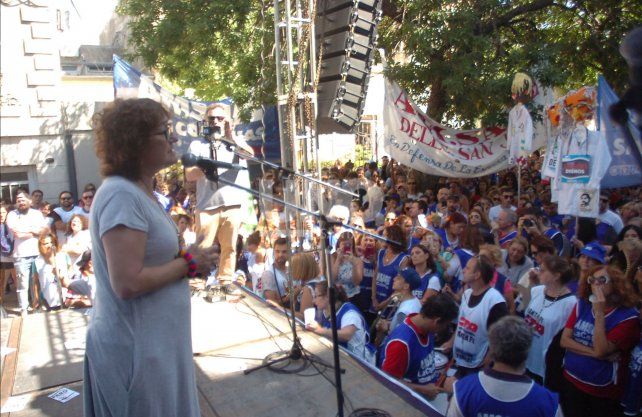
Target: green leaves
{"type": "Point", "coordinates": [456, 56]}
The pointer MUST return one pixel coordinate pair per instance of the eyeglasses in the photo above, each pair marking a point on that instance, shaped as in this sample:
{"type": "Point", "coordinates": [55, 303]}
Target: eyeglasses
{"type": "Point", "coordinates": [87, 197]}
{"type": "Point", "coordinates": [167, 132]}
{"type": "Point", "coordinates": [65, 198]}
{"type": "Point", "coordinates": [601, 280]}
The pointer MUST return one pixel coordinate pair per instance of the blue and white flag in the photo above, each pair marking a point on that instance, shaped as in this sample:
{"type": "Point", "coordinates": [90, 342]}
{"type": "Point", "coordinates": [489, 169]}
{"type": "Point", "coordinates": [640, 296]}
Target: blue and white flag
{"type": "Point", "coordinates": [625, 169]}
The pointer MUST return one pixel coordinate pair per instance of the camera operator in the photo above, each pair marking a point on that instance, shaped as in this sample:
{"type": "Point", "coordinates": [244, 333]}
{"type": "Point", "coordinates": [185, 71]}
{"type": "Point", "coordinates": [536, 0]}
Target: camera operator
{"type": "Point", "coordinates": [534, 222]}
{"type": "Point", "coordinates": [218, 207]}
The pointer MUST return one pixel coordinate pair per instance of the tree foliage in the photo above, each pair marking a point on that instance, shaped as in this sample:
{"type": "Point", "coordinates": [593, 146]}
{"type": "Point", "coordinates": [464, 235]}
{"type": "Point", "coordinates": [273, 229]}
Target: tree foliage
{"type": "Point", "coordinates": [457, 56]}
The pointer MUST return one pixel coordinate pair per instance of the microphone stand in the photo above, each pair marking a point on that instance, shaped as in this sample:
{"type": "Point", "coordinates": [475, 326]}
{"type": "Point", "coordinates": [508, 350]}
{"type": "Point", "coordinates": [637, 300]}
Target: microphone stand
{"type": "Point", "coordinates": [297, 351]}
{"type": "Point", "coordinates": [232, 148]}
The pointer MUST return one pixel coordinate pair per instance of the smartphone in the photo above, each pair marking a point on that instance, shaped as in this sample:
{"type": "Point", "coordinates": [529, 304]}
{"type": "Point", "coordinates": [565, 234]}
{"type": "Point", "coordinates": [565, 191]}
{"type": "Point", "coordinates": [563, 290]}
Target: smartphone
{"type": "Point", "coordinates": [368, 251]}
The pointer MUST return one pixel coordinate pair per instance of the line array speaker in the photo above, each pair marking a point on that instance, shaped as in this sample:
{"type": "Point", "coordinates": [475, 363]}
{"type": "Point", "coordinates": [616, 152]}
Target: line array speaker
{"type": "Point", "coordinates": [346, 33]}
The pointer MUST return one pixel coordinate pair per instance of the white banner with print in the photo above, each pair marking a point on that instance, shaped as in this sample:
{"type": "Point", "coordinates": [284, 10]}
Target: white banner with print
{"type": "Point", "coordinates": [417, 141]}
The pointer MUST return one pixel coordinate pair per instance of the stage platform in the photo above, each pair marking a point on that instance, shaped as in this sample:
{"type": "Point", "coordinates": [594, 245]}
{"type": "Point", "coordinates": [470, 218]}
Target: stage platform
{"type": "Point", "coordinates": [44, 352]}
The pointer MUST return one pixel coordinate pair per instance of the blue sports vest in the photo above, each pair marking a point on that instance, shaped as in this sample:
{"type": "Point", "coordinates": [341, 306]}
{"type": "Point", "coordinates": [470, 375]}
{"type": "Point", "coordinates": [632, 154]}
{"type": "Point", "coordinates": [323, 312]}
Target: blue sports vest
{"type": "Point", "coordinates": [421, 358]}
{"type": "Point", "coordinates": [596, 372]}
{"type": "Point", "coordinates": [444, 239]}
{"type": "Point", "coordinates": [385, 275]}
{"type": "Point", "coordinates": [425, 279]}
{"type": "Point", "coordinates": [632, 400]}
{"type": "Point", "coordinates": [505, 241]}
{"type": "Point", "coordinates": [325, 321]}
{"type": "Point", "coordinates": [473, 400]}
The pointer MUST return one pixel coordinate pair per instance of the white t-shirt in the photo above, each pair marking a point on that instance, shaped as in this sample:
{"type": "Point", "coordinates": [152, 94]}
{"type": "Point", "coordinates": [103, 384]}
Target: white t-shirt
{"type": "Point", "coordinates": [82, 239]}
{"type": "Point", "coordinates": [25, 222]}
{"type": "Point", "coordinates": [269, 283]}
{"type": "Point", "coordinates": [209, 195]}
{"type": "Point", "coordinates": [547, 318]}
{"type": "Point", "coordinates": [65, 216]}
{"type": "Point", "coordinates": [494, 211]}
{"type": "Point", "coordinates": [405, 308]}
{"type": "Point", "coordinates": [357, 344]}
{"type": "Point", "coordinates": [48, 280]}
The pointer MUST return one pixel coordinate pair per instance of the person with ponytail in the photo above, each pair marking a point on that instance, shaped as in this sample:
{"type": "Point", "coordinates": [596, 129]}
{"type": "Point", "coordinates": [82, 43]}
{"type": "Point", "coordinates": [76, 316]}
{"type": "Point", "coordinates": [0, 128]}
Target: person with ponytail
{"type": "Point", "coordinates": [550, 305]}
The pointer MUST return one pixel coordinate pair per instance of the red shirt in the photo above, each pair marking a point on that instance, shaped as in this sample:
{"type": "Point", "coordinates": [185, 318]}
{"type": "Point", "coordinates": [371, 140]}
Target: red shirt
{"type": "Point", "coordinates": [396, 362]}
{"type": "Point", "coordinates": [625, 336]}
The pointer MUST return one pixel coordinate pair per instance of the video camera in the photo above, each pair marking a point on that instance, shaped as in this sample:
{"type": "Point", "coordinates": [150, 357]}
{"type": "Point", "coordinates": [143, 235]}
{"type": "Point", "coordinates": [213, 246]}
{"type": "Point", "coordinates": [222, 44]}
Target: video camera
{"type": "Point", "coordinates": [207, 131]}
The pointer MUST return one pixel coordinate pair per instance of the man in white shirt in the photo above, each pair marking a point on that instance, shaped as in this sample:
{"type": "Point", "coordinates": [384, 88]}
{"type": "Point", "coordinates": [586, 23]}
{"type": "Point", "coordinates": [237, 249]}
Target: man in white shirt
{"type": "Point", "coordinates": [274, 280]}
{"type": "Point", "coordinates": [507, 196]}
{"type": "Point", "coordinates": [87, 199]}
{"type": "Point", "coordinates": [67, 207]}
{"type": "Point", "coordinates": [25, 224]}
{"type": "Point", "coordinates": [609, 216]}
{"type": "Point", "coordinates": [220, 208]}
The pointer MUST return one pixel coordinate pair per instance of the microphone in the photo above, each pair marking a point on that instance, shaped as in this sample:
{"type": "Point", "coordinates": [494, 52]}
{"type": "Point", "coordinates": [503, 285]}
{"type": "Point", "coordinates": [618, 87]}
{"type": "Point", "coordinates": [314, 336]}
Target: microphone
{"type": "Point", "coordinates": [207, 164]}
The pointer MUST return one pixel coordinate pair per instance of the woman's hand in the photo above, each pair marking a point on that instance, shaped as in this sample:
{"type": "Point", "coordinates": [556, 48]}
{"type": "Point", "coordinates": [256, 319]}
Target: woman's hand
{"type": "Point", "coordinates": [313, 327]}
{"type": "Point", "coordinates": [204, 257]}
{"type": "Point", "coordinates": [599, 301]}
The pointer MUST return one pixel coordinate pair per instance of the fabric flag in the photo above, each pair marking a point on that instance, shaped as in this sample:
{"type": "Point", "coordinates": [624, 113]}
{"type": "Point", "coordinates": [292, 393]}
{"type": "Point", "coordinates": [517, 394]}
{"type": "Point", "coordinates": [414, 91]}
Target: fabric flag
{"type": "Point", "coordinates": [131, 83]}
{"type": "Point", "coordinates": [625, 169]}
{"type": "Point", "coordinates": [417, 141]}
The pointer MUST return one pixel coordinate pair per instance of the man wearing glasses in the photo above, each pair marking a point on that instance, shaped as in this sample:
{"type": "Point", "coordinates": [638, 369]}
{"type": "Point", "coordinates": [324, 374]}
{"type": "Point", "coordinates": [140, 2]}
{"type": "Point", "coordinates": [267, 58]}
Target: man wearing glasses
{"type": "Point", "coordinates": [67, 207]}
{"type": "Point", "coordinates": [507, 196]}
{"type": "Point", "coordinates": [219, 208]}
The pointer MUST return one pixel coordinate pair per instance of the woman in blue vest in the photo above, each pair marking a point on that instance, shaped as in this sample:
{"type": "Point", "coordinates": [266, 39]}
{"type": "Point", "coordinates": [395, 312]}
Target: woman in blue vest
{"type": "Point", "coordinates": [598, 337]}
{"type": "Point", "coordinates": [421, 260]}
{"type": "Point", "coordinates": [351, 326]}
{"type": "Point", "coordinates": [369, 260]}
{"type": "Point", "coordinates": [388, 261]}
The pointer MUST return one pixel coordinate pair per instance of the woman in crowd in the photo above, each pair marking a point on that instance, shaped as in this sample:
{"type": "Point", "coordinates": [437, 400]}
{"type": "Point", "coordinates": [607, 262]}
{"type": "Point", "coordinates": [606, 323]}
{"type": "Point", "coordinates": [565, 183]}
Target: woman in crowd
{"type": "Point", "coordinates": [388, 260]}
{"type": "Point", "coordinates": [453, 230]}
{"type": "Point", "coordinates": [347, 268]}
{"type": "Point", "coordinates": [413, 190]}
{"type": "Point", "coordinates": [369, 260]}
{"type": "Point", "coordinates": [351, 326]}
{"type": "Point", "coordinates": [54, 270]}
{"type": "Point", "coordinates": [478, 218]}
{"type": "Point", "coordinates": [541, 247]}
{"type": "Point", "coordinates": [78, 238]}
{"type": "Point", "coordinates": [405, 223]}
{"type": "Point", "coordinates": [590, 256]}
{"type": "Point", "coordinates": [184, 223]}
{"type": "Point", "coordinates": [598, 337]}
{"type": "Point", "coordinates": [305, 271]}
{"type": "Point", "coordinates": [82, 287]}
{"type": "Point", "coordinates": [256, 263]}
{"type": "Point", "coordinates": [500, 281]}
{"type": "Point", "coordinates": [550, 305]}
{"type": "Point", "coordinates": [140, 332]}
{"type": "Point", "coordinates": [421, 260]}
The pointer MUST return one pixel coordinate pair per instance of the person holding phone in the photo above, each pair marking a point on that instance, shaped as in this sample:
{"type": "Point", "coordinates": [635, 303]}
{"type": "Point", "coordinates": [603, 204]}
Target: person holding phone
{"type": "Point", "coordinates": [347, 268]}
{"type": "Point", "coordinates": [368, 260]}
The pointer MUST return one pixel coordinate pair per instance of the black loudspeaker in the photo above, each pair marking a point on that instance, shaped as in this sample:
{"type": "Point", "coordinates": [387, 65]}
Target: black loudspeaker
{"type": "Point", "coordinates": [346, 36]}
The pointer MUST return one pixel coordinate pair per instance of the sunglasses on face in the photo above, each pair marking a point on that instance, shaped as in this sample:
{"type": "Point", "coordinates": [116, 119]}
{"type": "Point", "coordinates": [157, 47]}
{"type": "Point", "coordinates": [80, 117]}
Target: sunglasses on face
{"type": "Point", "coordinates": [507, 196]}
{"type": "Point", "coordinates": [65, 198]}
{"type": "Point", "coordinates": [601, 280]}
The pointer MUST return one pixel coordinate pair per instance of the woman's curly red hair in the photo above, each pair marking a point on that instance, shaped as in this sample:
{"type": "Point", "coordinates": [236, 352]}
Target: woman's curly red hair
{"type": "Point", "coordinates": [123, 130]}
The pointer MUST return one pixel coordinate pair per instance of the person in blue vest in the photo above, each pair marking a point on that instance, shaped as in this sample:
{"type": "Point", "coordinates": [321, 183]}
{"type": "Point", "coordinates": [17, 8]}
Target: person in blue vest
{"type": "Point", "coordinates": [408, 352]}
{"type": "Point", "coordinates": [598, 337]}
{"type": "Point", "coordinates": [504, 389]}
{"type": "Point", "coordinates": [387, 267]}
{"type": "Point", "coordinates": [351, 326]}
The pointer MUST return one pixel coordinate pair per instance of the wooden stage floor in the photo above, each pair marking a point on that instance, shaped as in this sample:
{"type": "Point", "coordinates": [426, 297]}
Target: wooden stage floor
{"type": "Point", "coordinates": [228, 338]}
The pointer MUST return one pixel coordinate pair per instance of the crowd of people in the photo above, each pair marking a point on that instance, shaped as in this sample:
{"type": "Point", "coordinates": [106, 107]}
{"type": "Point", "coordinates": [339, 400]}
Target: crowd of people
{"type": "Point", "coordinates": [528, 303]}
{"type": "Point", "coordinates": [457, 256]}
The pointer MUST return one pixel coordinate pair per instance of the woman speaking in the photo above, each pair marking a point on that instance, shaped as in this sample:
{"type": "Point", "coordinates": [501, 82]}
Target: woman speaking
{"type": "Point", "coordinates": [138, 359]}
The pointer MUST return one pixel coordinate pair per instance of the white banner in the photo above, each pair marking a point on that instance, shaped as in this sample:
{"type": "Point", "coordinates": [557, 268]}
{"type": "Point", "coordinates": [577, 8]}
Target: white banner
{"type": "Point", "coordinates": [417, 141]}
